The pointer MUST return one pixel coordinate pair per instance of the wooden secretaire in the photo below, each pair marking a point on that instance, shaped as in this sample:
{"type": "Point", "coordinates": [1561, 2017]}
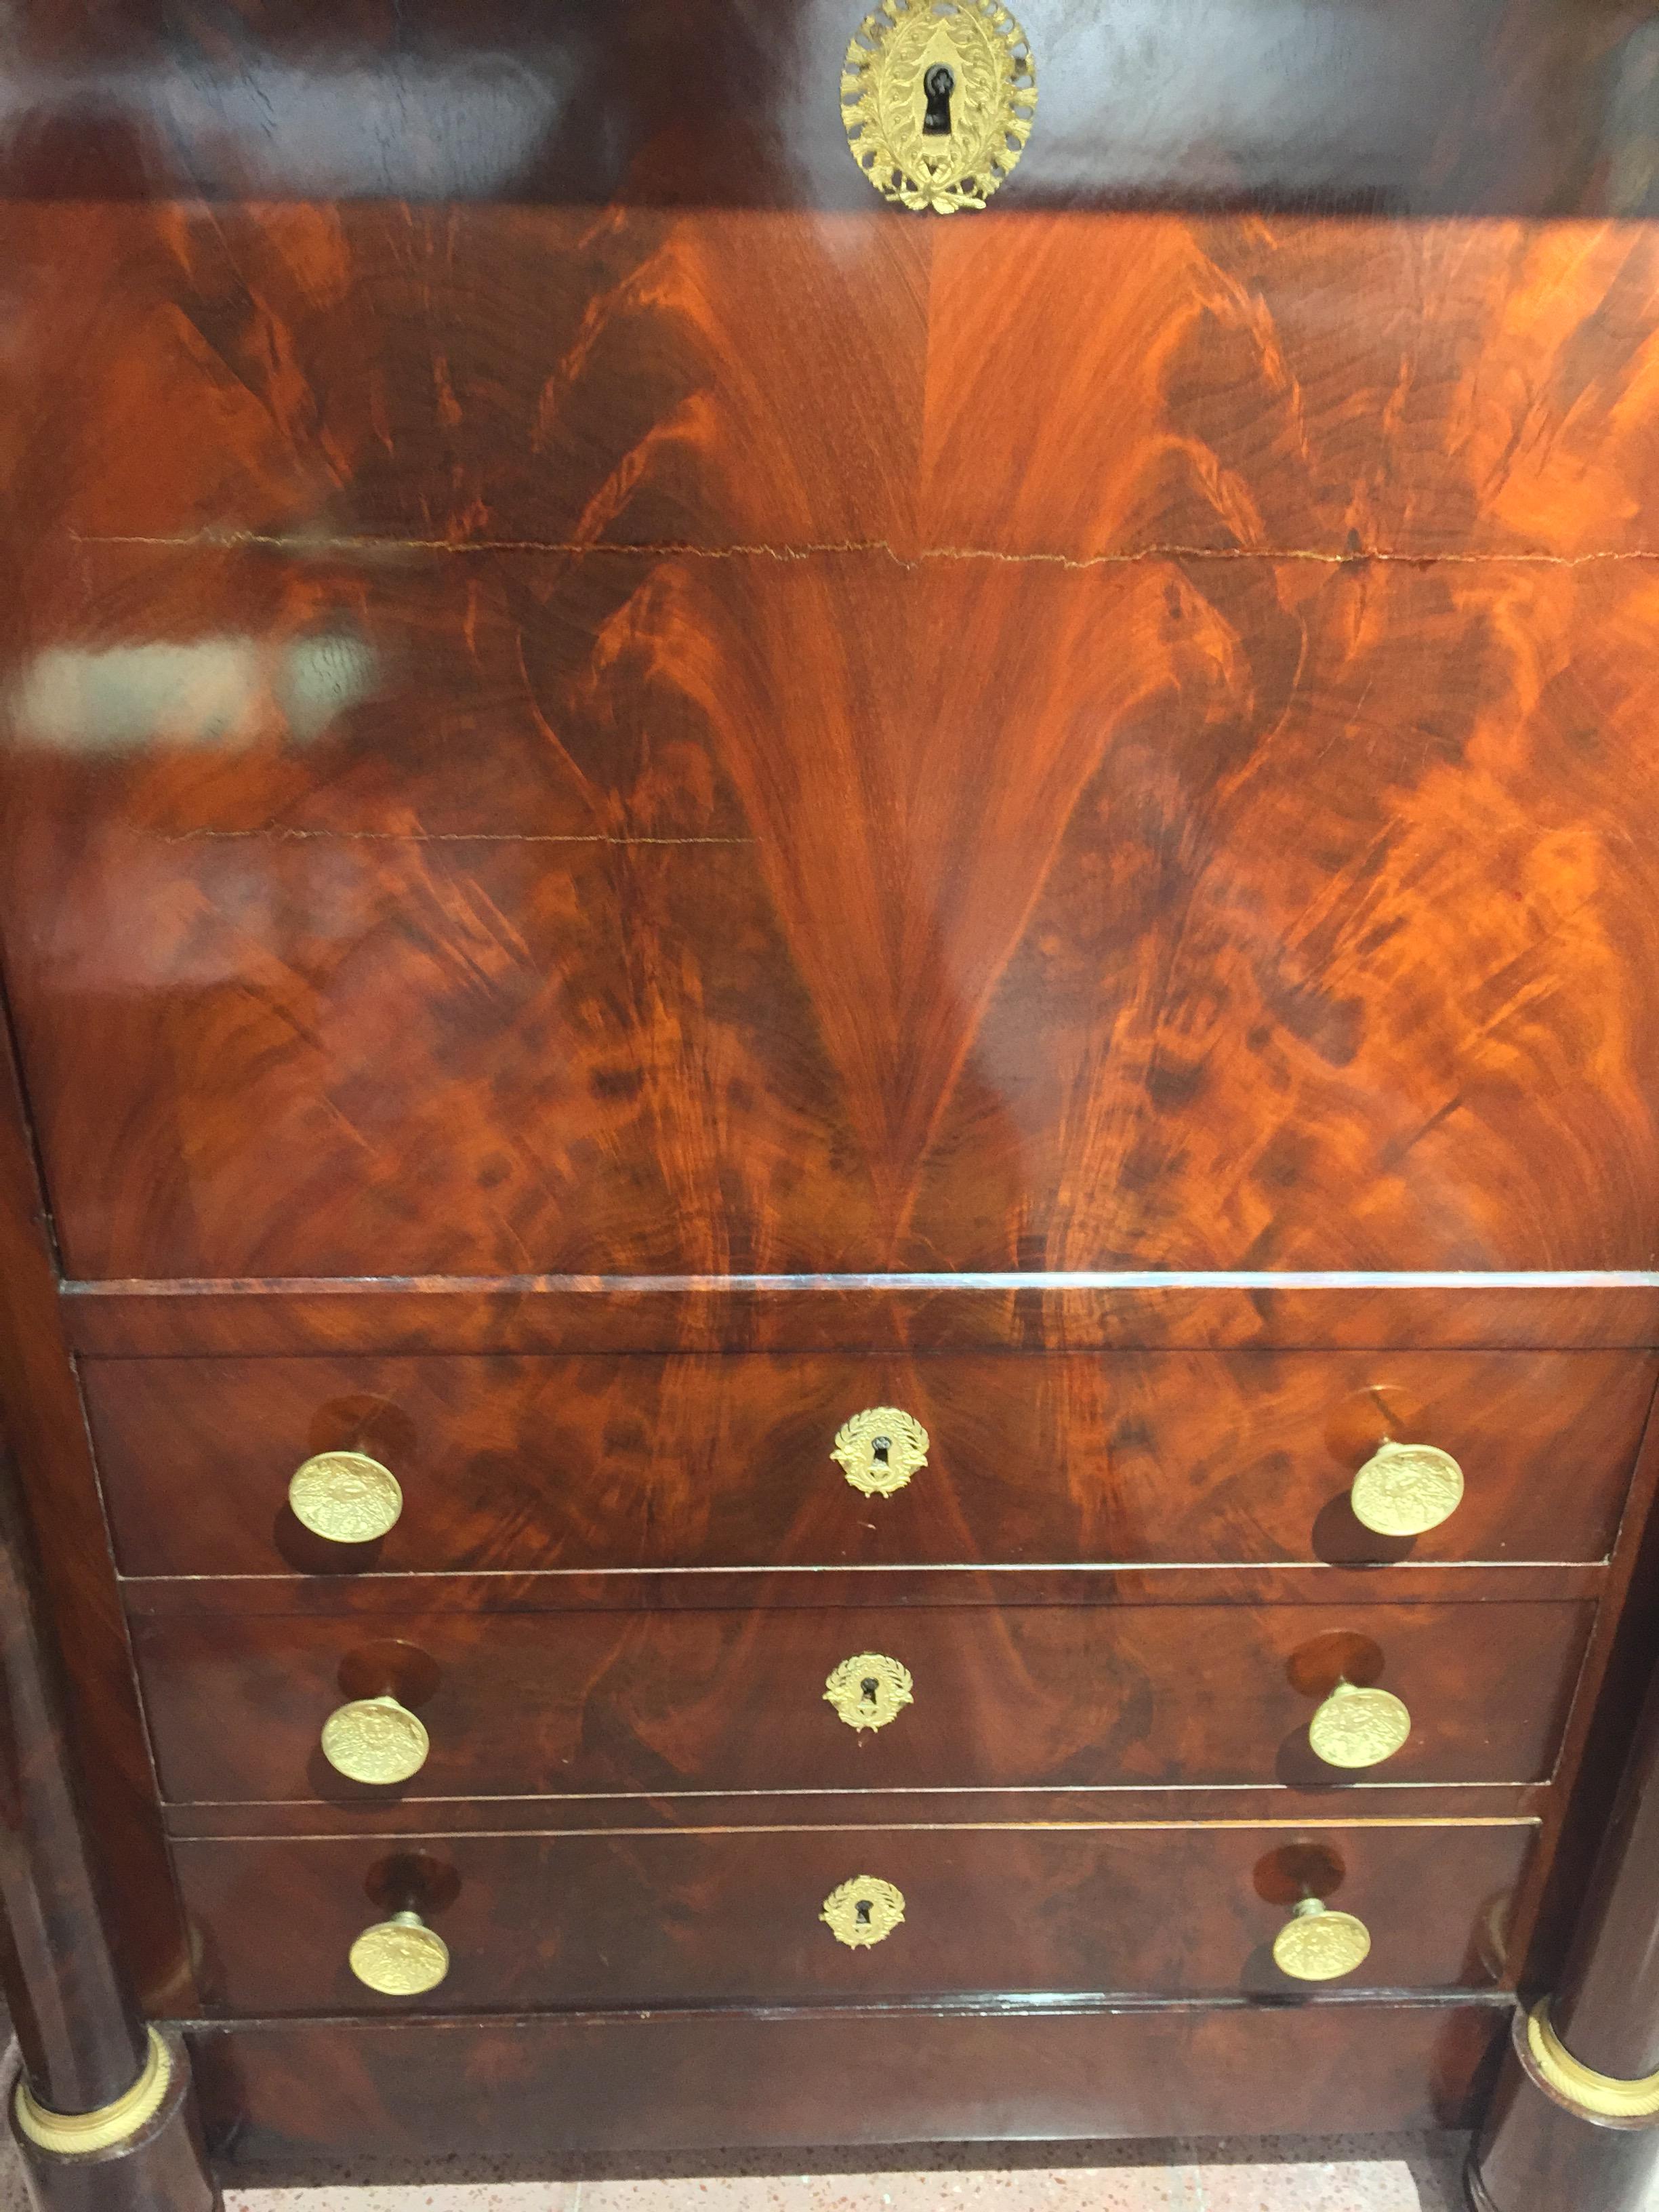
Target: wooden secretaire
{"type": "Point", "coordinates": [829, 1234]}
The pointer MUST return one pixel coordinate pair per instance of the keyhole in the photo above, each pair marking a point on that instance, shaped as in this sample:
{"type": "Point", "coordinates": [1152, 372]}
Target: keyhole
{"type": "Point", "coordinates": [863, 1913]}
{"type": "Point", "coordinates": [869, 1685]}
{"type": "Point", "coordinates": [939, 84]}
{"type": "Point", "coordinates": [879, 1447]}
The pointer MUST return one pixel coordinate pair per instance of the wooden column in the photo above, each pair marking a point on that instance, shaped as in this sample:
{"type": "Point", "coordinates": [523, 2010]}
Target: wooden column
{"type": "Point", "coordinates": [104, 2111]}
{"type": "Point", "coordinates": [1575, 2120]}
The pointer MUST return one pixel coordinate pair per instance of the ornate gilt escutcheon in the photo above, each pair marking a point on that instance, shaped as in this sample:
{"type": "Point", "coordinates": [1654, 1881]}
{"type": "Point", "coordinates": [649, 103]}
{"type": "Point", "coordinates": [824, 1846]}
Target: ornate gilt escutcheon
{"type": "Point", "coordinates": [375, 1739]}
{"type": "Point", "coordinates": [879, 1450]}
{"type": "Point", "coordinates": [862, 1911]}
{"type": "Point", "coordinates": [401, 1957]}
{"type": "Point", "coordinates": [346, 1497]}
{"type": "Point", "coordinates": [939, 97]}
{"type": "Point", "coordinates": [1318, 1945]}
{"type": "Point", "coordinates": [1360, 1728]}
{"type": "Point", "coordinates": [1405, 1490]}
{"type": "Point", "coordinates": [869, 1690]}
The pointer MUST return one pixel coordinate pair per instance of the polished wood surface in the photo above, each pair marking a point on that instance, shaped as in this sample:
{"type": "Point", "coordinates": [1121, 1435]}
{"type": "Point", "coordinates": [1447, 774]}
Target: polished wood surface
{"type": "Point", "coordinates": [45, 1427]}
{"type": "Point", "coordinates": [1534, 105]}
{"type": "Point", "coordinates": [592, 782]}
{"type": "Point", "coordinates": [645, 885]}
{"type": "Point", "coordinates": [1538, 2144]}
{"type": "Point", "coordinates": [1606, 2006]}
{"type": "Point", "coordinates": [552, 1703]}
{"type": "Point", "coordinates": [163, 2166]}
{"type": "Point", "coordinates": [367, 1598]}
{"type": "Point", "coordinates": [79, 2035]}
{"type": "Point", "coordinates": [1534, 2150]}
{"type": "Point", "coordinates": [886, 1315]}
{"type": "Point", "coordinates": [81, 2044]}
{"type": "Point", "coordinates": [538, 379]}
{"type": "Point", "coordinates": [733, 1917]}
{"type": "Point", "coordinates": [285, 2099]}
{"type": "Point", "coordinates": [1026, 1037]}
{"type": "Point", "coordinates": [726, 1462]}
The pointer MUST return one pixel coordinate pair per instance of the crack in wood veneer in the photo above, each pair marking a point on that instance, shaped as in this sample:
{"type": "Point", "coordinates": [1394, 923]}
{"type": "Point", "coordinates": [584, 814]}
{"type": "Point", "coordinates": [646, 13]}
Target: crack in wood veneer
{"type": "Point", "coordinates": [219, 541]}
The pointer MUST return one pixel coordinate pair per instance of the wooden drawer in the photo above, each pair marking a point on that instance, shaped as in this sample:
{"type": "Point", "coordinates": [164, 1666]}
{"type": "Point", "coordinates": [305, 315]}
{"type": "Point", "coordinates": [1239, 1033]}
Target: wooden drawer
{"type": "Point", "coordinates": [731, 1917]}
{"type": "Point", "coordinates": [537, 1703]}
{"type": "Point", "coordinates": [702, 1460]}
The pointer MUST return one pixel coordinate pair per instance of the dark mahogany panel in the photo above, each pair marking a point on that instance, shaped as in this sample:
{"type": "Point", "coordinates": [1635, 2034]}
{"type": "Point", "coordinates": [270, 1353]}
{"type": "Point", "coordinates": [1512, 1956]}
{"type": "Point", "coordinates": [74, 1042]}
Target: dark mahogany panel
{"type": "Point", "coordinates": [1539, 105]}
{"type": "Point", "coordinates": [94, 1749]}
{"type": "Point", "coordinates": [1272, 914]}
{"type": "Point", "coordinates": [730, 1918]}
{"type": "Point", "coordinates": [1084, 385]}
{"type": "Point", "coordinates": [301, 2102]}
{"type": "Point", "coordinates": [527, 1704]}
{"type": "Point", "coordinates": [532, 1464]}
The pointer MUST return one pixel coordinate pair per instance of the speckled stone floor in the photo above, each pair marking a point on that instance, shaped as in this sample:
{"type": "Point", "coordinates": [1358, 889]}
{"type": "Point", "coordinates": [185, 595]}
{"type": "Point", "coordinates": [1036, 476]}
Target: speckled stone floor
{"type": "Point", "coordinates": [1388, 2176]}
{"type": "Point", "coordinates": [1385, 2177]}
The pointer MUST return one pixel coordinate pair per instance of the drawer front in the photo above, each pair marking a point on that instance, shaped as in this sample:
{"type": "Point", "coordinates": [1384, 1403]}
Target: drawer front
{"type": "Point", "coordinates": [639, 1919]}
{"type": "Point", "coordinates": [524, 1704]}
{"type": "Point", "coordinates": [531, 1462]}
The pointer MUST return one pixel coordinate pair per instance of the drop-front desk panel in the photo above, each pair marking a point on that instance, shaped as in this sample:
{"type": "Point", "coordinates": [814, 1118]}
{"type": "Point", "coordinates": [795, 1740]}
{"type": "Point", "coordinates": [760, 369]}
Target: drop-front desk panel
{"type": "Point", "coordinates": [842, 1036]}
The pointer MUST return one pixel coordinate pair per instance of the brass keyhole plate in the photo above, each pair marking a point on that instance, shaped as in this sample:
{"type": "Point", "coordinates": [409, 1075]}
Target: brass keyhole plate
{"type": "Point", "coordinates": [879, 1449]}
{"type": "Point", "coordinates": [862, 1911]}
{"type": "Point", "coordinates": [870, 1690]}
{"type": "Point", "coordinates": [895, 56]}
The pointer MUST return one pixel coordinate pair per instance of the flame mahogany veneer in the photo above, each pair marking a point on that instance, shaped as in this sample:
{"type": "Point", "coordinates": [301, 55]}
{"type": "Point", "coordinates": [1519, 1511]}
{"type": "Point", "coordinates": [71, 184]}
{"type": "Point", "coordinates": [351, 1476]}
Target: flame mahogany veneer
{"type": "Point", "coordinates": [635, 823]}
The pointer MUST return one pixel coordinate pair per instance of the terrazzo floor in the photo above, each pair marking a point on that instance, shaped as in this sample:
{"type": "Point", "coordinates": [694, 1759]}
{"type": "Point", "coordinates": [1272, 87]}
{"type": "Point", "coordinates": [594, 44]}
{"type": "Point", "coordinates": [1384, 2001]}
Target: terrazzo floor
{"type": "Point", "coordinates": [1162, 2178]}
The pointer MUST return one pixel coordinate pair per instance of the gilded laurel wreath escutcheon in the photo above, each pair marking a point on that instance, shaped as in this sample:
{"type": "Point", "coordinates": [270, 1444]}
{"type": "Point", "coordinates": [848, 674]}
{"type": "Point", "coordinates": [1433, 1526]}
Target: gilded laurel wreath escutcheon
{"type": "Point", "coordinates": [400, 1957]}
{"type": "Point", "coordinates": [869, 1690]}
{"type": "Point", "coordinates": [862, 1911]}
{"type": "Point", "coordinates": [346, 1497]}
{"type": "Point", "coordinates": [1318, 1945]}
{"type": "Point", "coordinates": [375, 1739]}
{"type": "Point", "coordinates": [1359, 1727]}
{"type": "Point", "coordinates": [939, 97]}
{"type": "Point", "coordinates": [1405, 1490]}
{"type": "Point", "coordinates": [879, 1449]}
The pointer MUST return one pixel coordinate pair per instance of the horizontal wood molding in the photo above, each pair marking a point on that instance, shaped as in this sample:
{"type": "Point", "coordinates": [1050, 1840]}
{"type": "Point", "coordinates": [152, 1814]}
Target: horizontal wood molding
{"type": "Point", "coordinates": [700, 1590]}
{"type": "Point", "coordinates": [1360, 1803]}
{"type": "Point", "coordinates": [1565, 1309]}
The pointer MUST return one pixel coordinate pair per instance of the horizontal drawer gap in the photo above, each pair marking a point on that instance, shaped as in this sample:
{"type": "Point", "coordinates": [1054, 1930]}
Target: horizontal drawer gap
{"type": "Point", "coordinates": [868, 1833]}
{"type": "Point", "coordinates": [1024, 2004]}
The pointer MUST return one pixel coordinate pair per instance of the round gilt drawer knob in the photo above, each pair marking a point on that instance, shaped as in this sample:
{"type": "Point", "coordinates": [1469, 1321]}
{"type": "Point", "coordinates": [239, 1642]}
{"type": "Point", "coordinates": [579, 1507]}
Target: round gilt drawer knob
{"type": "Point", "coordinates": [1405, 1490]}
{"type": "Point", "coordinates": [375, 1739]}
{"type": "Point", "coordinates": [879, 1449]}
{"type": "Point", "coordinates": [1359, 1727]}
{"type": "Point", "coordinates": [401, 1957]}
{"type": "Point", "coordinates": [346, 1496]}
{"type": "Point", "coordinates": [1318, 1945]}
{"type": "Point", "coordinates": [870, 1689]}
{"type": "Point", "coordinates": [864, 1911]}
